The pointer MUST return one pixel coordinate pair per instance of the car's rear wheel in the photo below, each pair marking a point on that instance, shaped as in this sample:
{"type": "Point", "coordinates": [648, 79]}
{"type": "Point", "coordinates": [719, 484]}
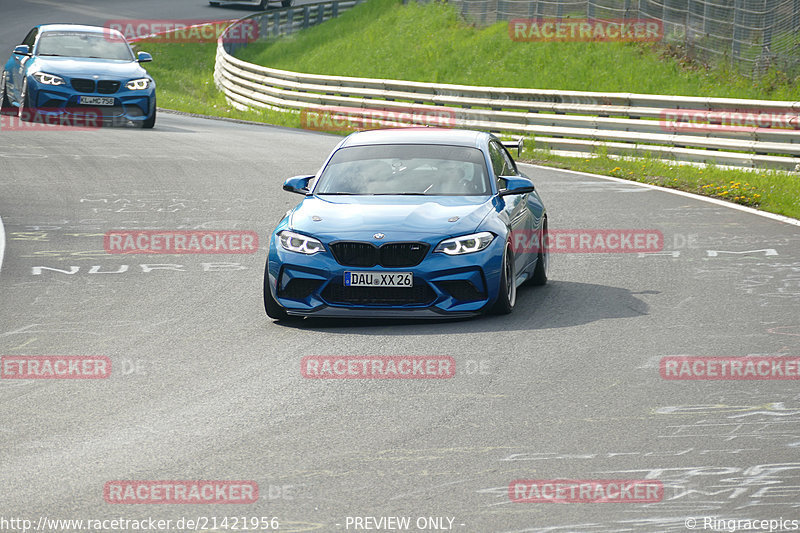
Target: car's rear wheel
{"type": "Point", "coordinates": [271, 306]}
{"type": "Point", "coordinates": [507, 292]}
{"type": "Point", "coordinates": [150, 121]}
{"type": "Point", "coordinates": [542, 258]}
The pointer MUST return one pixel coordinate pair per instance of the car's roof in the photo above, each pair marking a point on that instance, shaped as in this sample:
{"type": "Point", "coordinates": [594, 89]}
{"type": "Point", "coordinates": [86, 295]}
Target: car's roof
{"type": "Point", "coordinates": [414, 135]}
{"type": "Point", "coordinates": [77, 27]}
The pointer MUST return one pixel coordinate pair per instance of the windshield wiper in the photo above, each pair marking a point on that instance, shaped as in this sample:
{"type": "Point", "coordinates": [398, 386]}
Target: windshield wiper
{"type": "Point", "coordinates": [399, 194]}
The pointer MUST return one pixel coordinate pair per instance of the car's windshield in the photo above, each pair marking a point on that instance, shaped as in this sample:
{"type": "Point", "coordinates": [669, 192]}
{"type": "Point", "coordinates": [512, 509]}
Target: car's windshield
{"type": "Point", "coordinates": [83, 44]}
{"type": "Point", "coordinates": [431, 170]}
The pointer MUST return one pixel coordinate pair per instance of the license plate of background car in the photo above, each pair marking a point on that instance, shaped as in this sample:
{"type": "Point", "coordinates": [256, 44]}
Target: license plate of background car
{"type": "Point", "coordinates": [96, 100]}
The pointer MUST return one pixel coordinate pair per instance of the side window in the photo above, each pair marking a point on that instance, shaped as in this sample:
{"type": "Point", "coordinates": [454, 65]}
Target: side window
{"type": "Point", "coordinates": [31, 38]}
{"type": "Point", "coordinates": [510, 168]}
{"type": "Point", "coordinates": [498, 163]}
{"type": "Point", "coordinates": [502, 164]}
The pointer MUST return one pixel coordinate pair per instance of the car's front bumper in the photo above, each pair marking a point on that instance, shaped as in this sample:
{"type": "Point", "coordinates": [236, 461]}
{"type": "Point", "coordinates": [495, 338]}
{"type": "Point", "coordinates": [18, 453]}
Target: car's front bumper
{"type": "Point", "coordinates": [444, 286]}
{"type": "Point", "coordinates": [135, 106]}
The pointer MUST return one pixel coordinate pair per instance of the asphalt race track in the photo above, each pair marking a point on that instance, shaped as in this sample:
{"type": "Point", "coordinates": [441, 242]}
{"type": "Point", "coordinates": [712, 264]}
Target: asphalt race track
{"type": "Point", "coordinates": [205, 387]}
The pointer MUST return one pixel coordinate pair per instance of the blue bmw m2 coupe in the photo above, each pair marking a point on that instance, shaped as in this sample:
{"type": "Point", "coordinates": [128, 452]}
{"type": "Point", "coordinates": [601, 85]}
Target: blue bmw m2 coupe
{"type": "Point", "coordinates": [408, 222]}
{"type": "Point", "coordinates": [70, 69]}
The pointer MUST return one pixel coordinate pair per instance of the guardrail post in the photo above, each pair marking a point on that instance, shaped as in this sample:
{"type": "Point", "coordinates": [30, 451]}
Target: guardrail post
{"type": "Point", "coordinates": [335, 10]}
{"type": "Point", "coordinates": [320, 14]}
{"type": "Point", "coordinates": [305, 17]}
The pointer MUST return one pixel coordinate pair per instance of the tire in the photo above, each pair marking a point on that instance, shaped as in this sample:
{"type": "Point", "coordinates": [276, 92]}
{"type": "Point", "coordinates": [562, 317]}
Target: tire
{"type": "Point", "coordinates": [507, 293]}
{"type": "Point", "coordinates": [286, 3]}
{"type": "Point", "coordinates": [5, 103]}
{"type": "Point", "coordinates": [271, 306]}
{"type": "Point", "coordinates": [150, 121]}
{"type": "Point", "coordinates": [542, 259]}
{"type": "Point", "coordinates": [263, 4]}
{"type": "Point", "coordinates": [24, 112]}
{"type": "Point", "coordinates": [215, 4]}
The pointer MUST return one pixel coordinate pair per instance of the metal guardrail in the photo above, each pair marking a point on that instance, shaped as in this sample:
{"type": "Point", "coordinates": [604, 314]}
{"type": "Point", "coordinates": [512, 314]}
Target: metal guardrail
{"type": "Point", "coordinates": [623, 123]}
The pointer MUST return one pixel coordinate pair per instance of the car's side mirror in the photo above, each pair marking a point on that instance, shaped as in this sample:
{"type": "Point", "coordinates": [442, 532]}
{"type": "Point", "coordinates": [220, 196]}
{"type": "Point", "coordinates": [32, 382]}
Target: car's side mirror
{"type": "Point", "coordinates": [143, 57]}
{"type": "Point", "coordinates": [22, 49]}
{"type": "Point", "coordinates": [515, 185]}
{"type": "Point", "coordinates": [298, 184]}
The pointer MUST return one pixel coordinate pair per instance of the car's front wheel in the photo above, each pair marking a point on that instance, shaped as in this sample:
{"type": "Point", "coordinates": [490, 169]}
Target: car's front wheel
{"type": "Point", "coordinates": [271, 306]}
{"type": "Point", "coordinates": [507, 292]}
{"type": "Point", "coordinates": [150, 121]}
{"type": "Point", "coordinates": [25, 111]}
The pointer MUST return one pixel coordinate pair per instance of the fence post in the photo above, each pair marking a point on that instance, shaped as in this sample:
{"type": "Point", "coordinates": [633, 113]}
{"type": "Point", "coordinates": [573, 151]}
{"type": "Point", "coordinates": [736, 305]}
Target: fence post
{"type": "Point", "coordinates": [335, 10]}
{"type": "Point", "coordinates": [305, 16]}
{"type": "Point", "coordinates": [795, 17]}
{"type": "Point", "coordinates": [769, 26]}
{"type": "Point", "coordinates": [738, 22]}
{"type": "Point", "coordinates": [590, 9]}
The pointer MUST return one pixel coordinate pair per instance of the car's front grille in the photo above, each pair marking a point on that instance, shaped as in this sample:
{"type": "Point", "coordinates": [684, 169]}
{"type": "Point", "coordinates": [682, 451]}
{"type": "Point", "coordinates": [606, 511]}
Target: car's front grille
{"type": "Point", "coordinates": [83, 85]}
{"type": "Point", "coordinates": [299, 288]}
{"type": "Point", "coordinates": [389, 255]}
{"type": "Point", "coordinates": [462, 290]}
{"type": "Point", "coordinates": [337, 292]}
{"type": "Point", "coordinates": [403, 254]}
{"type": "Point", "coordinates": [107, 86]}
{"type": "Point", "coordinates": [357, 254]}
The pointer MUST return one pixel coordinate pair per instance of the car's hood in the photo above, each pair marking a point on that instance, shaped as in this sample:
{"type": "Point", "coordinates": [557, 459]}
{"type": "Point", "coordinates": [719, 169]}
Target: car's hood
{"type": "Point", "coordinates": [87, 67]}
{"type": "Point", "coordinates": [397, 217]}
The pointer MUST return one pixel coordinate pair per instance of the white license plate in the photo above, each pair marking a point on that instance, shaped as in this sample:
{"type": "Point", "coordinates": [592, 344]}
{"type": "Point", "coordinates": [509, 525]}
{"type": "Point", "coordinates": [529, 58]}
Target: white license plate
{"type": "Point", "coordinates": [96, 100]}
{"type": "Point", "coordinates": [378, 279]}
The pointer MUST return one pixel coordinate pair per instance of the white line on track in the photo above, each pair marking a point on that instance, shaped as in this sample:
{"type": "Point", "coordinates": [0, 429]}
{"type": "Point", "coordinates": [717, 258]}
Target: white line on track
{"type": "Point", "coordinates": [723, 203]}
{"type": "Point", "coordinates": [2, 242]}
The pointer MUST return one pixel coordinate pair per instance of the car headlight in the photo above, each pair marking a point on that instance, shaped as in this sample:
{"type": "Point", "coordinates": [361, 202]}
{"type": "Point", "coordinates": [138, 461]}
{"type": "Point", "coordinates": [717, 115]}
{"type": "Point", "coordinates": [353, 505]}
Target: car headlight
{"type": "Point", "coordinates": [302, 244]}
{"type": "Point", "coordinates": [138, 85]}
{"type": "Point", "coordinates": [465, 244]}
{"type": "Point", "coordinates": [48, 79]}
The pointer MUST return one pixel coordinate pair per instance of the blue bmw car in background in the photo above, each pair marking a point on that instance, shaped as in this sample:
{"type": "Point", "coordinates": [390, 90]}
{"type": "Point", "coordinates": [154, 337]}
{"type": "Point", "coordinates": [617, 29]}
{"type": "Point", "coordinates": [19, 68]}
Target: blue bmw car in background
{"type": "Point", "coordinates": [409, 222]}
{"type": "Point", "coordinates": [69, 69]}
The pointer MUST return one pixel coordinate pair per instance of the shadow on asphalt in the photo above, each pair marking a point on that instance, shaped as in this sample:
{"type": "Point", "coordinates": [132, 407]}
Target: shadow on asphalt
{"type": "Point", "coordinates": [559, 304]}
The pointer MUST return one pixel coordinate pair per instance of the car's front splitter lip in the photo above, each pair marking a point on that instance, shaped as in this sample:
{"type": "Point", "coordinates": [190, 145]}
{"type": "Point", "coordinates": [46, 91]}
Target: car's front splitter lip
{"type": "Point", "coordinates": [426, 313]}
